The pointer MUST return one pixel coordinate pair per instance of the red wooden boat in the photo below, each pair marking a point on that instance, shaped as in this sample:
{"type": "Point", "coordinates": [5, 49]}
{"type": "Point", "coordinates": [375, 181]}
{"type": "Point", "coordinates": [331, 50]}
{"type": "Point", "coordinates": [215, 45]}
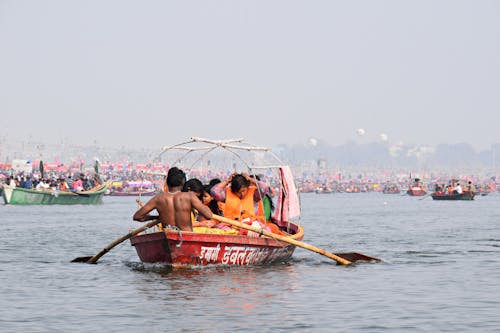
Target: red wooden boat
{"type": "Point", "coordinates": [184, 249]}
{"type": "Point", "coordinates": [187, 249]}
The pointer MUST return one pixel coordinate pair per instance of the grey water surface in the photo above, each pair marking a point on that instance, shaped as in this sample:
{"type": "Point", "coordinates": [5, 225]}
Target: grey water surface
{"type": "Point", "coordinates": [440, 272]}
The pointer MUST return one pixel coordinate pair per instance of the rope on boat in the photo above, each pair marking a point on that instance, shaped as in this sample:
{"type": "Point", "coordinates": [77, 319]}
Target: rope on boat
{"type": "Point", "coordinates": [175, 228]}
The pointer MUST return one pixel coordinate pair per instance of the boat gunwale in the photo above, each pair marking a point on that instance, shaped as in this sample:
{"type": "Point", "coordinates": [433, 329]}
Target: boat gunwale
{"type": "Point", "coordinates": [189, 236]}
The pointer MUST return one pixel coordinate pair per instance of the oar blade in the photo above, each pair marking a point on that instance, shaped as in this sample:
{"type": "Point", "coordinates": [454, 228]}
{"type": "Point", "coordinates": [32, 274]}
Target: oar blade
{"type": "Point", "coordinates": [355, 256]}
{"type": "Point", "coordinates": [82, 259]}
{"type": "Point", "coordinates": [93, 259]}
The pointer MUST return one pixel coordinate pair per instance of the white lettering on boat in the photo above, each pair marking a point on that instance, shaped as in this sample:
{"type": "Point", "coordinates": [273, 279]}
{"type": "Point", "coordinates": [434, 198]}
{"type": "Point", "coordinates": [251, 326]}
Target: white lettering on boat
{"type": "Point", "coordinates": [210, 254]}
{"type": "Point", "coordinates": [244, 255]}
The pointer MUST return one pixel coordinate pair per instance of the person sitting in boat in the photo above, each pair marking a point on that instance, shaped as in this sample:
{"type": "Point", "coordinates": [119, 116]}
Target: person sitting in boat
{"type": "Point", "coordinates": [457, 189]}
{"type": "Point", "coordinates": [62, 185]}
{"type": "Point", "coordinates": [87, 185]}
{"type": "Point", "coordinates": [209, 201]}
{"type": "Point", "coordinates": [53, 184]}
{"type": "Point", "coordinates": [164, 201]}
{"type": "Point", "coordinates": [188, 202]}
{"type": "Point", "coordinates": [243, 200]}
{"type": "Point", "coordinates": [78, 185]}
{"type": "Point", "coordinates": [195, 186]}
{"type": "Point", "coordinates": [200, 222]}
{"type": "Point", "coordinates": [268, 207]}
{"type": "Point", "coordinates": [96, 180]}
{"type": "Point", "coordinates": [215, 206]}
{"type": "Point", "coordinates": [12, 182]}
{"type": "Point", "coordinates": [267, 201]}
{"type": "Point", "coordinates": [449, 189]}
{"type": "Point", "coordinates": [28, 183]}
{"type": "Point", "coordinates": [43, 184]}
{"type": "Point", "coordinates": [240, 195]}
{"type": "Point", "coordinates": [470, 187]}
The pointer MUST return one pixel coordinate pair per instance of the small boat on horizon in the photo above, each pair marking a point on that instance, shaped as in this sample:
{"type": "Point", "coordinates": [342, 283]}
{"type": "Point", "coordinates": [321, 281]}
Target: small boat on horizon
{"type": "Point", "coordinates": [391, 189]}
{"type": "Point", "coordinates": [416, 189]}
{"type": "Point", "coordinates": [466, 195]}
{"type": "Point", "coordinates": [132, 188]}
{"type": "Point", "coordinates": [23, 196]}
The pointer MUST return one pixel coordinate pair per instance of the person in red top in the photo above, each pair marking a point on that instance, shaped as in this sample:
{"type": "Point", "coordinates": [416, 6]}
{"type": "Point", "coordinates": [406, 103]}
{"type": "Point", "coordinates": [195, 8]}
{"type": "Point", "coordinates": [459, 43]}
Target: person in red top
{"type": "Point", "coordinates": [78, 185]}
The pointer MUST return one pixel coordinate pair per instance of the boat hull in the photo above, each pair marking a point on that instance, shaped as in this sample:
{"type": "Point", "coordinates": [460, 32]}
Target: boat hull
{"type": "Point", "coordinates": [456, 196]}
{"type": "Point", "coordinates": [188, 249]}
{"type": "Point", "coordinates": [416, 193]}
{"type": "Point", "coordinates": [22, 196]}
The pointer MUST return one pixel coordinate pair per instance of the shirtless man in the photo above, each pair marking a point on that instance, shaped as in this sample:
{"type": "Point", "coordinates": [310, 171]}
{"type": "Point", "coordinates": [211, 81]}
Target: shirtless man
{"type": "Point", "coordinates": [163, 202]}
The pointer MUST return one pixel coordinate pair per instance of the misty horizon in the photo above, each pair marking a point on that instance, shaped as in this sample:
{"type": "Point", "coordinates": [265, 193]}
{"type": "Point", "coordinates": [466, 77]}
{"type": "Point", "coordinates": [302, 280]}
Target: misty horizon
{"type": "Point", "coordinates": [144, 75]}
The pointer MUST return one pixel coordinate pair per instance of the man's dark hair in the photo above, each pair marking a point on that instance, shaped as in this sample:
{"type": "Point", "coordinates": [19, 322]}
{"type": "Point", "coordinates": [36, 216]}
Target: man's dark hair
{"type": "Point", "coordinates": [175, 177]}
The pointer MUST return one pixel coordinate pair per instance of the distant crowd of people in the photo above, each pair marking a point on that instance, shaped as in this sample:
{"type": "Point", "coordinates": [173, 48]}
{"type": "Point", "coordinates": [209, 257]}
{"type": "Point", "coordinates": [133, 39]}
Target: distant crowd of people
{"type": "Point", "coordinates": [76, 183]}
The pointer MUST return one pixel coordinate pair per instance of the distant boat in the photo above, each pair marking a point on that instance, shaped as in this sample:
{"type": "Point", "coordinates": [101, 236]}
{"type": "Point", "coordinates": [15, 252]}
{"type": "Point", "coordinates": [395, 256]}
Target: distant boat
{"type": "Point", "coordinates": [323, 189]}
{"type": "Point", "coordinates": [466, 195]}
{"type": "Point", "coordinates": [416, 189]}
{"type": "Point", "coordinates": [391, 189]}
{"type": "Point", "coordinates": [23, 196]}
{"type": "Point", "coordinates": [136, 188]}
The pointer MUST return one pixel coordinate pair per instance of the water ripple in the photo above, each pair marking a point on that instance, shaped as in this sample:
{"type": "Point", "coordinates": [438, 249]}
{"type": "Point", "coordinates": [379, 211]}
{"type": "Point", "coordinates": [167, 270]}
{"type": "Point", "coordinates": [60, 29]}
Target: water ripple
{"type": "Point", "coordinates": [439, 273]}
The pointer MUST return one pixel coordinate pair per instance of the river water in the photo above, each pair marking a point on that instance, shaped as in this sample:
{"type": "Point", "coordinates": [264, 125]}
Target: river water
{"type": "Point", "coordinates": [441, 272]}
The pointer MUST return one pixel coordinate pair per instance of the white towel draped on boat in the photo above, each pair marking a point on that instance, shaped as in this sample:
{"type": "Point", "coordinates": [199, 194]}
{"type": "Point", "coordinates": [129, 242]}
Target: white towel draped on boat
{"type": "Point", "coordinates": [287, 204]}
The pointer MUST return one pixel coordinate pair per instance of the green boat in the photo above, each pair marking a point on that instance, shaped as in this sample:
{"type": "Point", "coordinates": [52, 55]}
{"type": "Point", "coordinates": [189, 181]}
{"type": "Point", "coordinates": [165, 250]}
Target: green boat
{"type": "Point", "coordinates": [22, 196]}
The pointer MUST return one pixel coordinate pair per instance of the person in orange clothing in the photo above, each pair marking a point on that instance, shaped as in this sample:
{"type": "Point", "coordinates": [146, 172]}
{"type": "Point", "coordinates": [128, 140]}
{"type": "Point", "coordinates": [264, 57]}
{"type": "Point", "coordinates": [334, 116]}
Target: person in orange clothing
{"type": "Point", "coordinates": [242, 196]}
{"type": "Point", "coordinates": [62, 185]}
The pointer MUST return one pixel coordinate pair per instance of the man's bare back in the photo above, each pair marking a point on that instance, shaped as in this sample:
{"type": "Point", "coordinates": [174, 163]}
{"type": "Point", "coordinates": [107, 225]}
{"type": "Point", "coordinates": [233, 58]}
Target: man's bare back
{"type": "Point", "coordinates": [164, 205]}
{"type": "Point", "coordinates": [184, 203]}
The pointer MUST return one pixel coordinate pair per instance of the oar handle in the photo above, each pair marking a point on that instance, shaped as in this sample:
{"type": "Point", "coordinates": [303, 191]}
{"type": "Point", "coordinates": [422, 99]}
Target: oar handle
{"type": "Point", "coordinates": [283, 239]}
{"type": "Point", "coordinates": [117, 241]}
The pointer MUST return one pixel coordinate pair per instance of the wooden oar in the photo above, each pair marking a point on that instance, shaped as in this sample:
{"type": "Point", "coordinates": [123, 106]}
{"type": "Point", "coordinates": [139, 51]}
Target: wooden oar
{"type": "Point", "coordinates": [93, 260]}
{"type": "Point", "coordinates": [285, 239]}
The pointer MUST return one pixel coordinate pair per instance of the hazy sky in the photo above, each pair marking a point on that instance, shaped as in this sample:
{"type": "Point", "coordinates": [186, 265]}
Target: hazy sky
{"type": "Point", "coordinates": [153, 73]}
